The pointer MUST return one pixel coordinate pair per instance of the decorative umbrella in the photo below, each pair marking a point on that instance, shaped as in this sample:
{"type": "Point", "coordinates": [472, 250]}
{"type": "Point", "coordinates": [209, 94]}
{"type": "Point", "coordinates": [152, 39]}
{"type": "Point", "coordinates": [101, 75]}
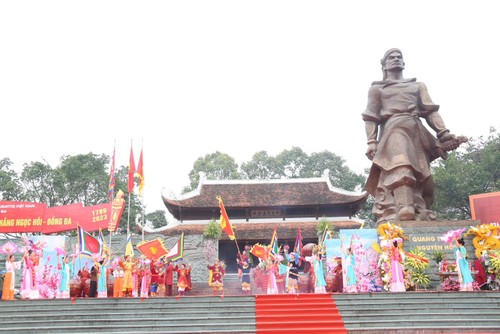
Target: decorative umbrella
{"type": "Point", "coordinates": [8, 248]}
{"type": "Point", "coordinates": [451, 235]}
{"type": "Point", "coordinates": [60, 250]}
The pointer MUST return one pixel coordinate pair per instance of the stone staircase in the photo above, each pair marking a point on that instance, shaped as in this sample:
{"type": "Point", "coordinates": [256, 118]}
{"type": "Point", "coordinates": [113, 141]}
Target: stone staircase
{"type": "Point", "coordinates": [422, 312]}
{"type": "Point", "coordinates": [232, 287]}
{"type": "Point", "coordinates": [410, 312]}
{"type": "Point", "coordinates": [130, 315]}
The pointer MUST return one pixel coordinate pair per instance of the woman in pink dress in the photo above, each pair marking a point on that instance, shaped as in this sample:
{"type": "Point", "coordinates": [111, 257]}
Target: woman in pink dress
{"type": "Point", "coordinates": [272, 286]}
{"type": "Point", "coordinates": [397, 279]}
{"type": "Point", "coordinates": [29, 289]}
{"type": "Point", "coordinates": [145, 279]}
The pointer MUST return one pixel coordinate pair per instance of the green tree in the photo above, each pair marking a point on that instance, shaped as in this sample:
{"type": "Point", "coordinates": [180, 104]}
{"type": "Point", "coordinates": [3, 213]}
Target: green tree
{"type": "Point", "coordinates": [82, 179]}
{"type": "Point", "coordinates": [157, 218]}
{"type": "Point", "coordinates": [37, 179]}
{"type": "Point", "coordinates": [261, 167]}
{"type": "Point", "coordinates": [216, 166]}
{"type": "Point", "coordinates": [10, 189]}
{"type": "Point", "coordinates": [340, 175]}
{"type": "Point", "coordinates": [290, 163]}
{"type": "Point", "coordinates": [475, 169]}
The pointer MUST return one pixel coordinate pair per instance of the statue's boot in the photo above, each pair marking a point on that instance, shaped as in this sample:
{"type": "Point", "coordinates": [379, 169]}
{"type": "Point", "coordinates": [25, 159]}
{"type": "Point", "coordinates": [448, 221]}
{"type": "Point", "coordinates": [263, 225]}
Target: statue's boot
{"type": "Point", "coordinates": [403, 195]}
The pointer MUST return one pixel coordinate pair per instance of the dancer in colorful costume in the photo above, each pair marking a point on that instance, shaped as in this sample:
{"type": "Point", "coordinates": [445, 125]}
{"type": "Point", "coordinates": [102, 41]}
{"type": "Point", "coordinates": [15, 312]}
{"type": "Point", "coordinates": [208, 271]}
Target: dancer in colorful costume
{"type": "Point", "coordinates": [183, 279]}
{"type": "Point", "coordinates": [216, 275]}
{"type": "Point", "coordinates": [397, 271]}
{"type": "Point", "coordinates": [464, 274]}
{"type": "Point", "coordinates": [10, 277]}
{"type": "Point", "coordinates": [66, 268]}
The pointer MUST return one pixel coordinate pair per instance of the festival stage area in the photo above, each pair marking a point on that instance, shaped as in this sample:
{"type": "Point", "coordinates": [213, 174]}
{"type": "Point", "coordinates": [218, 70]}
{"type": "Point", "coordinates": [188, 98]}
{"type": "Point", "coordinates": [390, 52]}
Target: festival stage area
{"type": "Point", "coordinates": [408, 312]}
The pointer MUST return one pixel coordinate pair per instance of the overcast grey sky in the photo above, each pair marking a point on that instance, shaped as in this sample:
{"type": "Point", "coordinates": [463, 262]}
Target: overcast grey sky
{"type": "Point", "coordinates": [188, 78]}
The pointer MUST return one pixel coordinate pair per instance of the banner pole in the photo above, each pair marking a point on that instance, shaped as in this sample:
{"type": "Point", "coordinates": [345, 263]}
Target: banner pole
{"type": "Point", "coordinates": [128, 214]}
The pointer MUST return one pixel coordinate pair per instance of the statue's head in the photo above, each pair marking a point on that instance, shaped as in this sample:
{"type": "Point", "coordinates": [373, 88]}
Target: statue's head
{"type": "Point", "coordinates": [389, 55]}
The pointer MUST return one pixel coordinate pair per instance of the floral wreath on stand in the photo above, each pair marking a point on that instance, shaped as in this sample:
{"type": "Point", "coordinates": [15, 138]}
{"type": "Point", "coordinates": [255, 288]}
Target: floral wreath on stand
{"type": "Point", "coordinates": [487, 248]}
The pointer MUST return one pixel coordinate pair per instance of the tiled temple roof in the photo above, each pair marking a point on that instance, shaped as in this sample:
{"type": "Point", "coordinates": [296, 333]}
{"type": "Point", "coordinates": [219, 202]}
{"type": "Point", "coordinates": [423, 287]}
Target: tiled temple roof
{"type": "Point", "coordinates": [251, 199]}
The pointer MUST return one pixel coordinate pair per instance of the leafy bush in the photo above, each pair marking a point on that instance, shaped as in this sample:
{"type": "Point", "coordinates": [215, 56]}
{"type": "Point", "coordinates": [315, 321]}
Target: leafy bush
{"type": "Point", "coordinates": [212, 230]}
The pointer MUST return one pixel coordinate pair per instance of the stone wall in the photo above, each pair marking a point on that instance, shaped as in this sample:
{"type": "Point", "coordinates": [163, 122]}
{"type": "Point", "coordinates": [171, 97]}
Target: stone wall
{"type": "Point", "coordinates": [424, 235]}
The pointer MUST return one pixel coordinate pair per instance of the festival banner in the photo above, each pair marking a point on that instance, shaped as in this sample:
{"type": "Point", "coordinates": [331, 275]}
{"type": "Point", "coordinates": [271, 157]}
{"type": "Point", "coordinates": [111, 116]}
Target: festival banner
{"type": "Point", "coordinates": [62, 218]}
{"type": "Point", "coordinates": [333, 255]}
{"type": "Point", "coordinates": [486, 207]}
{"type": "Point", "coordinates": [29, 217]}
{"type": "Point", "coordinates": [366, 258]}
{"type": "Point", "coordinates": [19, 217]}
{"type": "Point", "coordinates": [116, 211]}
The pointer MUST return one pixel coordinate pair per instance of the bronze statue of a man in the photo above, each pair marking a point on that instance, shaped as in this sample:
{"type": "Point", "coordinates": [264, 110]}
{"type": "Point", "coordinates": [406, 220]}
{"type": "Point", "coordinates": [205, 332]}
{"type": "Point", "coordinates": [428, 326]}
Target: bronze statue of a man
{"type": "Point", "coordinates": [400, 146]}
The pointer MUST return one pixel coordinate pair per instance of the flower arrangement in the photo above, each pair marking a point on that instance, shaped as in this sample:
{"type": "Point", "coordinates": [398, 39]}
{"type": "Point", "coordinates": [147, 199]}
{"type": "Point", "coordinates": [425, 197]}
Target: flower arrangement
{"type": "Point", "coordinates": [451, 284]}
{"type": "Point", "coordinates": [491, 262]}
{"type": "Point", "coordinates": [417, 264]}
{"type": "Point", "coordinates": [486, 238]}
{"type": "Point", "coordinates": [384, 266]}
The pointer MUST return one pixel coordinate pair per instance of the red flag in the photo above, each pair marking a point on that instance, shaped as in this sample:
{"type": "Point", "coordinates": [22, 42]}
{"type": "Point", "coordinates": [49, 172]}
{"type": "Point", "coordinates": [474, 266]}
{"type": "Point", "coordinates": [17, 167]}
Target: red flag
{"type": "Point", "coordinates": [112, 177]}
{"type": "Point", "coordinates": [260, 251]}
{"type": "Point", "coordinates": [152, 249]}
{"type": "Point", "coordinates": [177, 251]}
{"type": "Point", "coordinates": [224, 220]}
{"type": "Point", "coordinates": [273, 246]}
{"type": "Point", "coordinates": [298, 243]}
{"type": "Point", "coordinates": [88, 245]}
{"type": "Point", "coordinates": [140, 173]}
{"type": "Point", "coordinates": [131, 171]}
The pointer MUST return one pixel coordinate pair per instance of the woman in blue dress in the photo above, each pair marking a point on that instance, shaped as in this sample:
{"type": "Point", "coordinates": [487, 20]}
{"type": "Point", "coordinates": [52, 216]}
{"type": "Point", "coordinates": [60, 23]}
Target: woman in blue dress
{"type": "Point", "coordinates": [66, 269]}
{"type": "Point", "coordinates": [320, 283]}
{"type": "Point", "coordinates": [464, 274]}
{"type": "Point", "coordinates": [102, 282]}
{"type": "Point", "coordinates": [350, 272]}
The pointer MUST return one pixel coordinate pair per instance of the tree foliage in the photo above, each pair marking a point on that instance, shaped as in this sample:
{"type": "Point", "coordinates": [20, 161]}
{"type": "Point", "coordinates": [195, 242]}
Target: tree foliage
{"type": "Point", "coordinates": [216, 166]}
{"type": "Point", "coordinates": [475, 169]}
{"type": "Point", "coordinates": [261, 167]}
{"type": "Point", "coordinates": [293, 163]}
{"type": "Point", "coordinates": [9, 184]}
{"type": "Point", "coordinates": [81, 179]}
{"type": "Point", "coordinates": [157, 218]}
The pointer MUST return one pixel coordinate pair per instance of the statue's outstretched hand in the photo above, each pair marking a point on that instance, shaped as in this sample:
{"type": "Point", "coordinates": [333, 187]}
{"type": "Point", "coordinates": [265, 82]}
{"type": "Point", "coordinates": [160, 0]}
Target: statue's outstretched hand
{"type": "Point", "coordinates": [372, 149]}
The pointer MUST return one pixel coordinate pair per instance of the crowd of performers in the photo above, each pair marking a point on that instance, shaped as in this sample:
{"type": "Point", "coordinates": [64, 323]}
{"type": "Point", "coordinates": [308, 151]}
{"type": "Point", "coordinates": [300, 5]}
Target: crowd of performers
{"type": "Point", "coordinates": [280, 272]}
{"type": "Point", "coordinates": [132, 277]}
{"type": "Point", "coordinates": [139, 277]}
{"type": "Point", "coordinates": [136, 277]}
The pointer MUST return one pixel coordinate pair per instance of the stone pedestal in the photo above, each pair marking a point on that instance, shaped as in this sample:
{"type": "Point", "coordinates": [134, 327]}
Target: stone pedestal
{"type": "Point", "coordinates": [424, 235]}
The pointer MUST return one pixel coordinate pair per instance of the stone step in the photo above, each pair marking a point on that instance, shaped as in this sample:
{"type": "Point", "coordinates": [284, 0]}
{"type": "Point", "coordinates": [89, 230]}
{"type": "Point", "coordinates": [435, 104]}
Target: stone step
{"type": "Point", "coordinates": [361, 313]}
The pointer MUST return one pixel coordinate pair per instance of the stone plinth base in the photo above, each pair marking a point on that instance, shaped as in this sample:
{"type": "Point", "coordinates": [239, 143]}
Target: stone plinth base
{"type": "Point", "coordinates": [424, 235]}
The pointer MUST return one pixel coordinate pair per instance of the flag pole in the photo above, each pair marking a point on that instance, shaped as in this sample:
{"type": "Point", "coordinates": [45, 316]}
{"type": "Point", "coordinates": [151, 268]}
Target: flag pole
{"type": "Point", "coordinates": [128, 214]}
{"type": "Point", "coordinates": [112, 194]}
{"type": "Point", "coordinates": [143, 217]}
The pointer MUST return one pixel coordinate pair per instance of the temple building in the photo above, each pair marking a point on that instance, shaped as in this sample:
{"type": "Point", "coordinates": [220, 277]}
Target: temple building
{"type": "Point", "coordinates": [256, 207]}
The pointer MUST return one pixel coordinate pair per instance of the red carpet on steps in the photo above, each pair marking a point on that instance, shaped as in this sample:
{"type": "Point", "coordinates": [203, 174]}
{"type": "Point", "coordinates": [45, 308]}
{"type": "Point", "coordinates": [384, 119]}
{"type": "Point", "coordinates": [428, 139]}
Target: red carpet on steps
{"type": "Point", "coordinates": [298, 313]}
